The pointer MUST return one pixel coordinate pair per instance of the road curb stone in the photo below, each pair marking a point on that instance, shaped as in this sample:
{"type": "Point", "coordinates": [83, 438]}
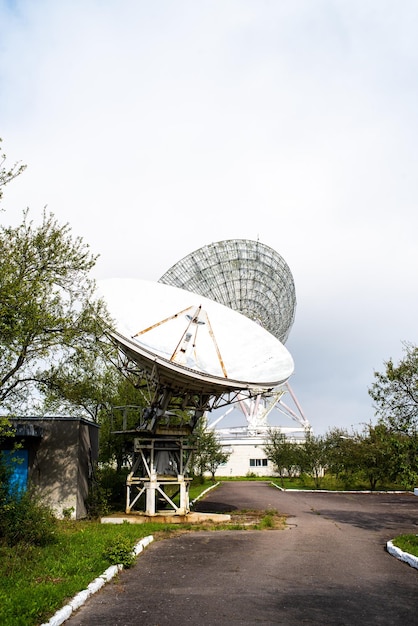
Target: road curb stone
{"type": "Point", "coordinates": [401, 555]}
{"type": "Point", "coordinates": [80, 598]}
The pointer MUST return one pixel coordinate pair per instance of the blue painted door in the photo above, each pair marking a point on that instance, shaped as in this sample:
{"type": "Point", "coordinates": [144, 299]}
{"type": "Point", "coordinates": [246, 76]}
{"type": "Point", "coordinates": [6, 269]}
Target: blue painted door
{"type": "Point", "coordinates": [18, 462]}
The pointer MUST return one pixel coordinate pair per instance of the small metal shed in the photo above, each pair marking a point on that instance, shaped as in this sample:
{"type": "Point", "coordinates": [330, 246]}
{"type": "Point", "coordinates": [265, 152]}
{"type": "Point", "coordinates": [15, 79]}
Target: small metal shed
{"type": "Point", "coordinates": [56, 457]}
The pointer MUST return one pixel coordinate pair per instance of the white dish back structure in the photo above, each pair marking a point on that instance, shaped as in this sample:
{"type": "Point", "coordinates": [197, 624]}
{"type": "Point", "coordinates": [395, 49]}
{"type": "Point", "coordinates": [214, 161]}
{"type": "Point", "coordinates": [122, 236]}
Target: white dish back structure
{"type": "Point", "coordinates": [195, 343]}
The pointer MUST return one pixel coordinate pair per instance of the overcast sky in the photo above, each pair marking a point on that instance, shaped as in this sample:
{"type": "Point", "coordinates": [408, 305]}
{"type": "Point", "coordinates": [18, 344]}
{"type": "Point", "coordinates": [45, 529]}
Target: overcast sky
{"type": "Point", "coordinates": [155, 128]}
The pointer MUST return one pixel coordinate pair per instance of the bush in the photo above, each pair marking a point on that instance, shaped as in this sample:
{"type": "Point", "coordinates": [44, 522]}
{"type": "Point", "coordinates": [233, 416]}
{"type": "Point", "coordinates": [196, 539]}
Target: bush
{"type": "Point", "coordinates": [98, 501]}
{"type": "Point", "coordinates": [120, 553]}
{"type": "Point", "coordinates": [24, 519]}
{"type": "Point", "coordinates": [108, 492]}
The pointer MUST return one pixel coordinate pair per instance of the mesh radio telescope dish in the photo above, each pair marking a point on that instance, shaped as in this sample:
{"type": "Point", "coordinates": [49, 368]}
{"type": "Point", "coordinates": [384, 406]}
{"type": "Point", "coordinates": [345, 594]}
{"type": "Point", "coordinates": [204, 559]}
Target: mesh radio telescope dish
{"type": "Point", "coordinates": [251, 278]}
{"type": "Point", "coordinates": [244, 275]}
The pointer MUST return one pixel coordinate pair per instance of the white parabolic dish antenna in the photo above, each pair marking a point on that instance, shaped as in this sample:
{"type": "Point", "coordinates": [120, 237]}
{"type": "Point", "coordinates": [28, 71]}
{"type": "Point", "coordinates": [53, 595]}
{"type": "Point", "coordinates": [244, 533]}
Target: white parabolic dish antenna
{"type": "Point", "coordinates": [192, 342]}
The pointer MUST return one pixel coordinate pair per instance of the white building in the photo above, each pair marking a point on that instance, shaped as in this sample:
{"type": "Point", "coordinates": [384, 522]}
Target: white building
{"type": "Point", "coordinates": [246, 450]}
{"type": "Point", "coordinates": [245, 438]}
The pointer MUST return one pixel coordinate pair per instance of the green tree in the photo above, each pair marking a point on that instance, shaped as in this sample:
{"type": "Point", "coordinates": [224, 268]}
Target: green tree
{"type": "Point", "coordinates": [395, 395]}
{"type": "Point", "coordinates": [208, 453]}
{"type": "Point", "coordinates": [405, 458]}
{"type": "Point", "coordinates": [373, 451]}
{"type": "Point", "coordinates": [123, 411]}
{"type": "Point", "coordinates": [6, 429]}
{"type": "Point", "coordinates": [341, 455]}
{"type": "Point", "coordinates": [8, 173]}
{"type": "Point", "coordinates": [312, 456]}
{"type": "Point", "coordinates": [84, 381]}
{"type": "Point", "coordinates": [377, 455]}
{"type": "Point", "coordinates": [48, 313]}
{"type": "Point", "coordinates": [395, 392]}
{"type": "Point", "coordinates": [282, 452]}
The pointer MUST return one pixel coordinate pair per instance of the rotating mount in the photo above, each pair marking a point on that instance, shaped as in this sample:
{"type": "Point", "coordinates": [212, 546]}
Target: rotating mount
{"type": "Point", "coordinates": [190, 347]}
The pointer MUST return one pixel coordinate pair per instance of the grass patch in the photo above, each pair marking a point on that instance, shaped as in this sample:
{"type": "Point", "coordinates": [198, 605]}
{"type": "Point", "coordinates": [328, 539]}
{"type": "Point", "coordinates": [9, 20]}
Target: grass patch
{"type": "Point", "coordinates": [197, 487]}
{"type": "Point", "coordinates": [330, 483]}
{"type": "Point", "coordinates": [247, 478]}
{"type": "Point", "coordinates": [407, 543]}
{"type": "Point", "coordinates": [258, 520]}
{"type": "Point", "coordinates": [35, 581]}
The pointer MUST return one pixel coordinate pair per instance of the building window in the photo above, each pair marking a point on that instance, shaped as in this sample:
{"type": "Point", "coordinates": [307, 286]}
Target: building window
{"type": "Point", "coordinates": [258, 462]}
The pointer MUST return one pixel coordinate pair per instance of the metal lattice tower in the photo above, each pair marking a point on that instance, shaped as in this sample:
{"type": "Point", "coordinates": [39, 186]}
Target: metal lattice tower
{"type": "Point", "coordinates": [244, 275]}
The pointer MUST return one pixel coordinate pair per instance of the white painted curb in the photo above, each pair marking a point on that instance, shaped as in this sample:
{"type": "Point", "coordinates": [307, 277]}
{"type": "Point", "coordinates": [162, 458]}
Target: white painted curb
{"type": "Point", "coordinates": [401, 555]}
{"type": "Point", "coordinates": [63, 614]}
{"type": "Point", "coordinates": [204, 493]}
{"type": "Point", "coordinates": [354, 491]}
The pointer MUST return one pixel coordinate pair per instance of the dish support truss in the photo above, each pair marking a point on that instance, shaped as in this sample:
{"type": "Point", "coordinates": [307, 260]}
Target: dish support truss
{"type": "Point", "coordinates": [159, 476]}
{"type": "Point", "coordinates": [161, 435]}
{"type": "Point", "coordinates": [257, 409]}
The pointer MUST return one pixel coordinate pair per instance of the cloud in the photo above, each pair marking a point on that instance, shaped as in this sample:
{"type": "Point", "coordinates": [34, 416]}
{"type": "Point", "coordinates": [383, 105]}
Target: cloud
{"type": "Point", "coordinates": [157, 128]}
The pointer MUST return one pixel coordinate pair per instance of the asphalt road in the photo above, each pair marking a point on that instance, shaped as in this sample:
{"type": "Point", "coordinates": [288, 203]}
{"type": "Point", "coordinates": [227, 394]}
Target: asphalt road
{"type": "Point", "coordinates": [328, 568]}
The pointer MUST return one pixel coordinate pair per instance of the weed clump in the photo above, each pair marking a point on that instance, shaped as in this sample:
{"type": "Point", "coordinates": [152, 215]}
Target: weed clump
{"type": "Point", "coordinates": [120, 552]}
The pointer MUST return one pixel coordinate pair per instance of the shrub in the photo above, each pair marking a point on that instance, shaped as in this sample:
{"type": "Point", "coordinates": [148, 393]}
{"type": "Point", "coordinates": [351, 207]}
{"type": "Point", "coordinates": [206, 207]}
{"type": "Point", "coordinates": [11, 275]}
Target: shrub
{"type": "Point", "coordinates": [24, 519]}
{"type": "Point", "coordinates": [120, 553]}
{"type": "Point", "coordinates": [98, 501]}
{"type": "Point", "coordinates": [108, 491]}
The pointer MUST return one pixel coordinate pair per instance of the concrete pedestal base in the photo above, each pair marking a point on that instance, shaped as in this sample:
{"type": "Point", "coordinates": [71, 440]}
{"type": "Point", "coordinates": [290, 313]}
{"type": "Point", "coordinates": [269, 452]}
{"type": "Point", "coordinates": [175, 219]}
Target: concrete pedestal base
{"type": "Point", "coordinates": [167, 518]}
